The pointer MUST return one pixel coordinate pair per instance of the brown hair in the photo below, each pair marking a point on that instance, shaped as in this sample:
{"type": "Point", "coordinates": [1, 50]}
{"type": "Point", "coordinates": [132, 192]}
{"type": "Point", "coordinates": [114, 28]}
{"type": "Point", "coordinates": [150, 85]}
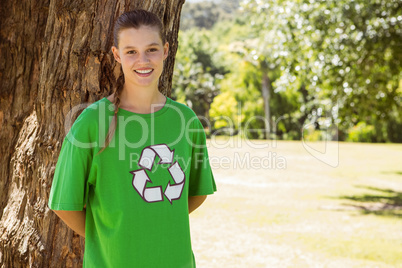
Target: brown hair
{"type": "Point", "coordinates": [131, 19]}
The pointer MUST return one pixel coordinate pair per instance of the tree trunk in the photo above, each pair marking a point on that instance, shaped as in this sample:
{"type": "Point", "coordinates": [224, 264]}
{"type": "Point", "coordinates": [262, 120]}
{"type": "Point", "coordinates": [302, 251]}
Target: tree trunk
{"type": "Point", "coordinates": [55, 55]}
{"type": "Point", "coordinates": [266, 95]}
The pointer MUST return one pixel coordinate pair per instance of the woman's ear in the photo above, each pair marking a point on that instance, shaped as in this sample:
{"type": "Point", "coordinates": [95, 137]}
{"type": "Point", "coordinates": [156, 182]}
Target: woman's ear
{"type": "Point", "coordinates": [165, 50]}
{"type": "Point", "coordinates": [116, 54]}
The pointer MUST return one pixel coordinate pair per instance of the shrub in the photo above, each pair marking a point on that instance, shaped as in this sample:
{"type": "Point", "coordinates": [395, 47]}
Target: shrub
{"type": "Point", "coordinates": [362, 133]}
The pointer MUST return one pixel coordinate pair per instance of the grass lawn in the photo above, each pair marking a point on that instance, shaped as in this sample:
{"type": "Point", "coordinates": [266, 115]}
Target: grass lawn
{"type": "Point", "coordinates": [279, 206]}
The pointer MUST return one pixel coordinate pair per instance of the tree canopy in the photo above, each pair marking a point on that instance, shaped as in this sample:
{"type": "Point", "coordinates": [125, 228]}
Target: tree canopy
{"type": "Point", "coordinates": [326, 62]}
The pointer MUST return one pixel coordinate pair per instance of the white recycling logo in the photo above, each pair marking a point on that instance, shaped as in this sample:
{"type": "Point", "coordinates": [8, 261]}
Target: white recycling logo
{"type": "Point", "coordinates": [141, 178]}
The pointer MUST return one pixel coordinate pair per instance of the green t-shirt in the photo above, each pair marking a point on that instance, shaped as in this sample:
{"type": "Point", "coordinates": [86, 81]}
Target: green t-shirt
{"type": "Point", "coordinates": [135, 191]}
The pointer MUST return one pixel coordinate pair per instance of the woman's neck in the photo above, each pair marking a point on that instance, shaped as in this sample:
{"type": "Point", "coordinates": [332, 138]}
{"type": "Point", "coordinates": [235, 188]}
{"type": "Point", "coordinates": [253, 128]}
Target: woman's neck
{"type": "Point", "coordinates": [141, 100]}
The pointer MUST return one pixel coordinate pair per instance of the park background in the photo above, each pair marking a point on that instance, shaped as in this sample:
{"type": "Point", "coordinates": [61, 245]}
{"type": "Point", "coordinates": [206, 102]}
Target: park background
{"type": "Point", "coordinates": [305, 78]}
{"type": "Point", "coordinates": [300, 100]}
{"type": "Point", "coordinates": [293, 63]}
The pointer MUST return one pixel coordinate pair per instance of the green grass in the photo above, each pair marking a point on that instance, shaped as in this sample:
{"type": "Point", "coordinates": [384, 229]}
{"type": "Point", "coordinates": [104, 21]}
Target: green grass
{"type": "Point", "coordinates": [309, 215]}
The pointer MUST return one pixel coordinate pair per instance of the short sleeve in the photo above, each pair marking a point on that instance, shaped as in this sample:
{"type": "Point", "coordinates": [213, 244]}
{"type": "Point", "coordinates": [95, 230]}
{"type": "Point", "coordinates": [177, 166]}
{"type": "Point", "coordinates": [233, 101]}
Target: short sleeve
{"type": "Point", "coordinates": [70, 182]}
{"type": "Point", "coordinates": [201, 178]}
{"type": "Point", "coordinates": [69, 188]}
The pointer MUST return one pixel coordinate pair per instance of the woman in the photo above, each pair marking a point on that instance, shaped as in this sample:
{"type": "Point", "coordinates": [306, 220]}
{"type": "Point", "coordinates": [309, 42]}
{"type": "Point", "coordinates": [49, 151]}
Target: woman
{"type": "Point", "coordinates": [135, 164]}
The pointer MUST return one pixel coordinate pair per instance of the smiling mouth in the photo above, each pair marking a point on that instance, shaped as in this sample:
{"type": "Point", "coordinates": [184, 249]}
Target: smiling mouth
{"type": "Point", "coordinates": [144, 71]}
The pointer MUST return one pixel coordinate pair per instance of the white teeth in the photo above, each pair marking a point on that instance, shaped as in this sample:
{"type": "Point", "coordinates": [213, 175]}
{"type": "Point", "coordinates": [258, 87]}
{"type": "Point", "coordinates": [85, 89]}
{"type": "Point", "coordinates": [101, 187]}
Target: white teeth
{"type": "Point", "coordinates": [144, 71]}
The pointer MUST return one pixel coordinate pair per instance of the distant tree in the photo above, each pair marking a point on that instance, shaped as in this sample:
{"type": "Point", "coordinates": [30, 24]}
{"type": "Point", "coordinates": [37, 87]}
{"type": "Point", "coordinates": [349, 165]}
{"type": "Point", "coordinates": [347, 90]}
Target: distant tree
{"type": "Point", "coordinates": [342, 52]}
{"type": "Point", "coordinates": [197, 72]}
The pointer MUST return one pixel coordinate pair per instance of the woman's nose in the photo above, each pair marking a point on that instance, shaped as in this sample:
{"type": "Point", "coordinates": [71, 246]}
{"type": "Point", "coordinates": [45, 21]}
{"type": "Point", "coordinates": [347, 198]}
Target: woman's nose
{"type": "Point", "coordinates": [143, 58]}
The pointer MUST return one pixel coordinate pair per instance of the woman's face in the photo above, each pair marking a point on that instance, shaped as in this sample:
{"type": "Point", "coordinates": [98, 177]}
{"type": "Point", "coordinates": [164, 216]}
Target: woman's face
{"type": "Point", "coordinates": [141, 54]}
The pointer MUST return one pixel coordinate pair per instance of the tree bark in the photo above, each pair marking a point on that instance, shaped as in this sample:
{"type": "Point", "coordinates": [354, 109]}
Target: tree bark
{"type": "Point", "coordinates": [55, 55]}
{"type": "Point", "coordinates": [266, 88]}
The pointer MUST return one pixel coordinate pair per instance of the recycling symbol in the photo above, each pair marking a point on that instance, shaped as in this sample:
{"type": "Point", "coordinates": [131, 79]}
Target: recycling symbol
{"type": "Point", "coordinates": [141, 178]}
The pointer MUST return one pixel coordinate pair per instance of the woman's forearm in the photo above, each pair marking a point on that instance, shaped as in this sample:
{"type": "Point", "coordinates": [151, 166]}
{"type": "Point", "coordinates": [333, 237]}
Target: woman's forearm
{"type": "Point", "coordinates": [74, 219]}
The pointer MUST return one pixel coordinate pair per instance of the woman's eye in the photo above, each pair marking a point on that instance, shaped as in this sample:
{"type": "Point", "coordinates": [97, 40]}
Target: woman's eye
{"type": "Point", "coordinates": [131, 52]}
{"type": "Point", "coordinates": [153, 49]}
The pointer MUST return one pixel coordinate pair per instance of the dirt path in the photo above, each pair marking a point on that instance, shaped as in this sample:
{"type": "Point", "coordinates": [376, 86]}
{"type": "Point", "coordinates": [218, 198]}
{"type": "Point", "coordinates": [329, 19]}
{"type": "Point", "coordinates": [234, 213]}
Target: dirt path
{"type": "Point", "coordinates": [281, 207]}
